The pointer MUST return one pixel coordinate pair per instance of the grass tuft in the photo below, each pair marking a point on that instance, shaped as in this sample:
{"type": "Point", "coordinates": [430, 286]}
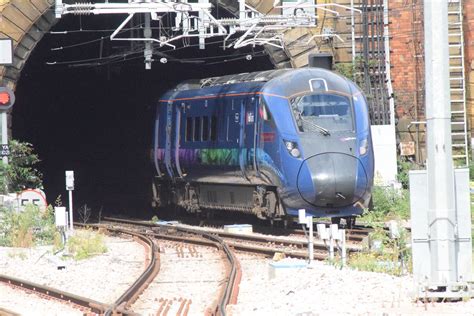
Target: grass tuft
{"type": "Point", "coordinates": [85, 244]}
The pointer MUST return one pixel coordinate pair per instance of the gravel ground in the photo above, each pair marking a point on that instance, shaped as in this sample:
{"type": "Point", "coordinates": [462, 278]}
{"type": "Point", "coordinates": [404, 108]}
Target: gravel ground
{"type": "Point", "coordinates": [189, 276]}
{"type": "Point", "coordinates": [325, 290]}
{"type": "Point", "coordinates": [103, 277]}
{"type": "Point", "coordinates": [188, 280]}
{"type": "Point", "coordinates": [25, 303]}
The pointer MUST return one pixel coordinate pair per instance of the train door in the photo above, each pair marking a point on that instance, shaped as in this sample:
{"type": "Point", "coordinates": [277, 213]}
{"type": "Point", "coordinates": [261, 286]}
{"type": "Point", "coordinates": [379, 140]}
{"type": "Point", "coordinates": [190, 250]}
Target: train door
{"type": "Point", "coordinates": [232, 123]}
{"type": "Point", "coordinates": [251, 136]}
{"type": "Point", "coordinates": [173, 139]}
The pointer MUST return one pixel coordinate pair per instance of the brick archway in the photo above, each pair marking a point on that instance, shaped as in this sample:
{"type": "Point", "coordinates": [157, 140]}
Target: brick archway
{"type": "Point", "coordinates": [25, 22]}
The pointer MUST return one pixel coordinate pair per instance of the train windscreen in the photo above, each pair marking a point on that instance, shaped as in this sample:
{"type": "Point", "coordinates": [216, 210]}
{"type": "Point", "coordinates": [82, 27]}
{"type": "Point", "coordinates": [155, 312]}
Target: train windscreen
{"type": "Point", "coordinates": [323, 113]}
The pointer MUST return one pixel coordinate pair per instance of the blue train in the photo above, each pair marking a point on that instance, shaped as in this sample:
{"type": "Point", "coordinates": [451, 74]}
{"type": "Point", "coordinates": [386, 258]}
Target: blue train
{"type": "Point", "coordinates": [265, 143]}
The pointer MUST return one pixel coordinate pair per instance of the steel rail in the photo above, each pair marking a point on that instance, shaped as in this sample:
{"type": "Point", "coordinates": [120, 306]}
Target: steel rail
{"type": "Point", "coordinates": [230, 291]}
{"type": "Point", "coordinates": [131, 294]}
{"type": "Point", "coordinates": [250, 237]}
{"type": "Point", "coordinates": [264, 249]}
{"type": "Point", "coordinates": [94, 306]}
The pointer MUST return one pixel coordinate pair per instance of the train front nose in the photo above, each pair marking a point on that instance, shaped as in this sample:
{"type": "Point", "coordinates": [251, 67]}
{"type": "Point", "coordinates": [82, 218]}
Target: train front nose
{"type": "Point", "coordinates": [332, 180]}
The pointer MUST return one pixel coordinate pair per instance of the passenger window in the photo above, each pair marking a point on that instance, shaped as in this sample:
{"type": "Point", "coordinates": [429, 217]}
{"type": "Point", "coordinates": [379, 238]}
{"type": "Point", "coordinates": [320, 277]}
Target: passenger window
{"type": "Point", "coordinates": [205, 128]}
{"type": "Point", "coordinates": [197, 129]}
{"type": "Point", "coordinates": [213, 128]}
{"type": "Point", "coordinates": [189, 129]}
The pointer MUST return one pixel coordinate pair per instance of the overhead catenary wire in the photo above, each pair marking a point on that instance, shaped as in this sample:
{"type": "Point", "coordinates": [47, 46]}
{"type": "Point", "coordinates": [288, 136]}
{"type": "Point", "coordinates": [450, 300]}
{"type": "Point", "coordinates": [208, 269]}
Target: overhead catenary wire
{"type": "Point", "coordinates": [159, 53]}
{"type": "Point", "coordinates": [186, 42]}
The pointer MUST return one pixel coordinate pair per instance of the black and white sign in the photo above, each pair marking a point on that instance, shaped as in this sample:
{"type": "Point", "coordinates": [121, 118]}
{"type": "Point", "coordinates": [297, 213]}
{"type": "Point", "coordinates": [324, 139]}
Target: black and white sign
{"type": "Point", "coordinates": [5, 150]}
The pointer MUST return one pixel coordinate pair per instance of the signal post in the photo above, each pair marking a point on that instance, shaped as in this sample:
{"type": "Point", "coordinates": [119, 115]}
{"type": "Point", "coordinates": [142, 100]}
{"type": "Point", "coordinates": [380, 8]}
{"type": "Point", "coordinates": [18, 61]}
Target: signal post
{"type": "Point", "coordinates": [7, 97]}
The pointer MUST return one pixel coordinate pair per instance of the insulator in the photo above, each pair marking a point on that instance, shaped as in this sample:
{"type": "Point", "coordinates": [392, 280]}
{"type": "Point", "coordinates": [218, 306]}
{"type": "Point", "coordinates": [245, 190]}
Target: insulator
{"type": "Point", "coordinates": [84, 8]}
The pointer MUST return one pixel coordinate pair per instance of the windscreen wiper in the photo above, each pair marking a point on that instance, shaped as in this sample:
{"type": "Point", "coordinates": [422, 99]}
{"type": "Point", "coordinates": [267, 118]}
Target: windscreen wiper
{"type": "Point", "coordinates": [323, 130]}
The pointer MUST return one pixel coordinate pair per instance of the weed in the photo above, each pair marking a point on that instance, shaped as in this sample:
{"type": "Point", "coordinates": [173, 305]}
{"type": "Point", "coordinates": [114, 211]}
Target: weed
{"type": "Point", "coordinates": [388, 203]}
{"type": "Point", "coordinates": [85, 244]}
{"type": "Point", "coordinates": [27, 228]}
{"type": "Point", "coordinates": [84, 213]}
{"type": "Point", "coordinates": [57, 242]}
{"type": "Point", "coordinates": [154, 219]}
{"type": "Point", "coordinates": [404, 166]}
{"type": "Point", "coordinates": [58, 202]}
{"type": "Point", "coordinates": [391, 255]}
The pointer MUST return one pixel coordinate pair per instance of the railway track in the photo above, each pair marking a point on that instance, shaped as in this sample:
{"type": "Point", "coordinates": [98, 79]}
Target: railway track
{"type": "Point", "coordinates": [252, 243]}
{"type": "Point", "coordinates": [78, 302]}
{"type": "Point", "coordinates": [89, 305]}
{"type": "Point", "coordinates": [149, 234]}
{"type": "Point", "coordinates": [228, 293]}
{"type": "Point", "coordinates": [122, 306]}
{"type": "Point", "coordinates": [356, 235]}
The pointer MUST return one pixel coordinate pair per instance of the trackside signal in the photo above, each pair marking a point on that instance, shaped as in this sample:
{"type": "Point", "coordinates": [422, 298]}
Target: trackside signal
{"type": "Point", "coordinates": [7, 98]}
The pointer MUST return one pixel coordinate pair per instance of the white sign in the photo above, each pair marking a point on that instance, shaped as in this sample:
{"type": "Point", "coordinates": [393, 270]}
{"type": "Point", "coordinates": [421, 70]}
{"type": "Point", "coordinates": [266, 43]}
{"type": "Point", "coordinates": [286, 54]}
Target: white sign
{"type": "Point", "coordinates": [5, 150]}
{"type": "Point", "coordinates": [60, 216]}
{"type": "Point", "coordinates": [302, 216]}
{"type": "Point", "coordinates": [6, 51]}
{"type": "Point", "coordinates": [69, 180]}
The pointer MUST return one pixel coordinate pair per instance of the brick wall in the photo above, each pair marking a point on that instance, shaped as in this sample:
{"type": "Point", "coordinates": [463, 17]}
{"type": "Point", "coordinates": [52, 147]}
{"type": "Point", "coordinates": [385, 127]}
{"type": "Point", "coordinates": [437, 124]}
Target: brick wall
{"type": "Point", "coordinates": [406, 44]}
{"type": "Point", "coordinates": [407, 72]}
{"type": "Point", "coordinates": [469, 56]}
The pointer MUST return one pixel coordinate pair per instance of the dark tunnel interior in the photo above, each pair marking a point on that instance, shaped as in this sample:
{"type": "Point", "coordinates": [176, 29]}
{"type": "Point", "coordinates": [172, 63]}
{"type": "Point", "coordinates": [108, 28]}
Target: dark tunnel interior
{"type": "Point", "coordinates": [97, 119]}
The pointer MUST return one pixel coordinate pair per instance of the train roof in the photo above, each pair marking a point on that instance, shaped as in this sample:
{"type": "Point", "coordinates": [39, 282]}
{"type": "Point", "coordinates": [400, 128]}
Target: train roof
{"type": "Point", "coordinates": [257, 76]}
{"type": "Point", "coordinates": [285, 82]}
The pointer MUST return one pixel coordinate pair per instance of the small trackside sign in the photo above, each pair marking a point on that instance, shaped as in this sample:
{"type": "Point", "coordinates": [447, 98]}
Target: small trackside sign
{"type": "Point", "coordinates": [69, 180]}
{"type": "Point", "coordinates": [5, 150]}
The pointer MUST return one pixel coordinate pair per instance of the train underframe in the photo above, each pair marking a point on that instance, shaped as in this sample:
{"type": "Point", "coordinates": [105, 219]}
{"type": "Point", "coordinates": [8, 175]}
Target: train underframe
{"type": "Point", "coordinates": [205, 198]}
{"type": "Point", "coordinates": [198, 197]}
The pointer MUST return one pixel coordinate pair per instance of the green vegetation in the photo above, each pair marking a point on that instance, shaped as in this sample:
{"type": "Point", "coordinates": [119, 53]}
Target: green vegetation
{"type": "Point", "coordinates": [404, 167]}
{"type": "Point", "coordinates": [33, 227]}
{"type": "Point", "coordinates": [20, 173]}
{"type": "Point", "coordinates": [346, 69]}
{"type": "Point", "coordinates": [390, 256]}
{"type": "Point", "coordinates": [28, 228]}
{"type": "Point", "coordinates": [384, 254]}
{"type": "Point", "coordinates": [85, 244]}
{"type": "Point", "coordinates": [388, 204]}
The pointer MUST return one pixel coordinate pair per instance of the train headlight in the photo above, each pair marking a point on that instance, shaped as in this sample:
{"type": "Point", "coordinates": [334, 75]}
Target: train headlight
{"type": "Point", "coordinates": [364, 147]}
{"type": "Point", "coordinates": [292, 148]}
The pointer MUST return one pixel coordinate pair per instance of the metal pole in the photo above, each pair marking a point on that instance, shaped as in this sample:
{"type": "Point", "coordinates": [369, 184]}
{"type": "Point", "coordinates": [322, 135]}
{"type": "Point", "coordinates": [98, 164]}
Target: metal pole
{"type": "Point", "coordinates": [353, 33]}
{"type": "Point", "coordinates": [310, 239]}
{"type": "Point", "coordinates": [331, 247]}
{"type": "Point", "coordinates": [4, 126]}
{"type": "Point", "coordinates": [71, 226]}
{"type": "Point", "coordinates": [441, 207]}
{"type": "Point", "coordinates": [343, 247]}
